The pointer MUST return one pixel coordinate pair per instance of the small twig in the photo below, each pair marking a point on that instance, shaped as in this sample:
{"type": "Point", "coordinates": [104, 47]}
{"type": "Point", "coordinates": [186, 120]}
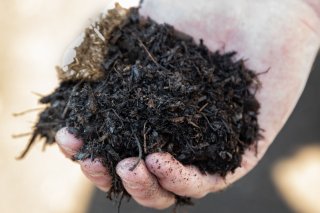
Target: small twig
{"type": "Point", "coordinates": [264, 72]}
{"type": "Point", "coordinates": [99, 34]}
{"type": "Point", "coordinates": [202, 108]}
{"type": "Point", "coordinates": [21, 135]}
{"type": "Point", "coordinates": [68, 103]}
{"type": "Point", "coordinates": [32, 140]}
{"type": "Point", "coordinates": [148, 52]}
{"type": "Point", "coordinates": [208, 121]}
{"type": "Point", "coordinates": [49, 124]}
{"type": "Point", "coordinates": [198, 70]}
{"type": "Point", "coordinates": [144, 138]}
{"type": "Point", "coordinates": [193, 124]}
{"type": "Point", "coordinates": [105, 136]}
{"type": "Point", "coordinates": [121, 120]}
{"type": "Point", "coordinates": [114, 111]}
{"type": "Point", "coordinates": [140, 154]}
{"type": "Point", "coordinates": [27, 111]}
{"type": "Point", "coordinates": [256, 146]}
{"type": "Point", "coordinates": [120, 201]}
{"type": "Point", "coordinates": [92, 100]}
{"type": "Point", "coordinates": [38, 94]}
{"type": "Point", "coordinates": [116, 70]}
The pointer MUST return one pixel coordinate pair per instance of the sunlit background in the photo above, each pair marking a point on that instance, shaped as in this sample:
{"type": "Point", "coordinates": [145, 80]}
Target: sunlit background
{"type": "Point", "coordinates": [33, 37]}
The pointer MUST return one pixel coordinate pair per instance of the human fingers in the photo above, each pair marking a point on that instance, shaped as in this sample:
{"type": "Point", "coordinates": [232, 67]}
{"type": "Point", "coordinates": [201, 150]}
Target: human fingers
{"type": "Point", "coordinates": [142, 185]}
{"type": "Point", "coordinates": [182, 180]}
{"type": "Point", "coordinates": [67, 142]}
{"type": "Point", "coordinates": [93, 170]}
{"type": "Point", "coordinates": [190, 182]}
{"type": "Point", "coordinates": [96, 173]}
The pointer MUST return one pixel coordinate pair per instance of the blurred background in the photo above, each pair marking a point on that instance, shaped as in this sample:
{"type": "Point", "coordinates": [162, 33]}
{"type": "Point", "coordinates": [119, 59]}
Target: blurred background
{"type": "Point", "coordinates": [33, 37]}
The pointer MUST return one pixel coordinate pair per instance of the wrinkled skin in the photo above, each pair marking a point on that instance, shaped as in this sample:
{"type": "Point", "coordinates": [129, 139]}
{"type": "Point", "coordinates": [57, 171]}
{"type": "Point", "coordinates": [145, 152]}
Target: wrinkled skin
{"type": "Point", "coordinates": [281, 35]}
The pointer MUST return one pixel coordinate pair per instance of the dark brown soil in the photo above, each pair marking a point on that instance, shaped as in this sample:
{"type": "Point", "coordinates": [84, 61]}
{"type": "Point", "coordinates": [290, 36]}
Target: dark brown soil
{"type": "Point", "coordinates": [160, 92]}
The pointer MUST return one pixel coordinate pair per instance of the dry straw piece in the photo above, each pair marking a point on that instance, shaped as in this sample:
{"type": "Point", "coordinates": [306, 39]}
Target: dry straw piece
{"type": "Point", "coordinates": [91, 52]}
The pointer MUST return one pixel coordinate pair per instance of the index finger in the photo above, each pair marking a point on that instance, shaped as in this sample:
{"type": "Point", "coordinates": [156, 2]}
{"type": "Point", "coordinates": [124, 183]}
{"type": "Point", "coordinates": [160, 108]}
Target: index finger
{"type": "Point", "coordinates": [68, 143]}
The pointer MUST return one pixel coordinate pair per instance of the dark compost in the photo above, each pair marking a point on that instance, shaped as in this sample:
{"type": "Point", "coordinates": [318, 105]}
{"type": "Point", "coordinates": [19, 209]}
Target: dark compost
{"type": "Point", "coordinates": [160, 92]}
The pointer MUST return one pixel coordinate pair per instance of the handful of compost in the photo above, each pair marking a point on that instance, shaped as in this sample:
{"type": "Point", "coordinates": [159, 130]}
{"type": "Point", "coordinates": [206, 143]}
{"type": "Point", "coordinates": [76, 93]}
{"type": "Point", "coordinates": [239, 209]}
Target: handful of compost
{"type": "Point", "coordinates": [136, 87]}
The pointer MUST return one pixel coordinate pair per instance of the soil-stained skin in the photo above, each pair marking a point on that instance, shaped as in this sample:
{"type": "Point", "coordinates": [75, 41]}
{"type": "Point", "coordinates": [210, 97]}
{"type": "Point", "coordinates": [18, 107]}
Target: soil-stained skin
{"type": "Point", "coordinates": [159, 92]}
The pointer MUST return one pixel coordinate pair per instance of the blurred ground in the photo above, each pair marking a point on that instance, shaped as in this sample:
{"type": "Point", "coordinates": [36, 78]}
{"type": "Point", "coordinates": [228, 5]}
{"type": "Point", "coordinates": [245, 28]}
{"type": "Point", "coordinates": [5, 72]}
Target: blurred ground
{"type": "Point", "coordinates": [33, 36]}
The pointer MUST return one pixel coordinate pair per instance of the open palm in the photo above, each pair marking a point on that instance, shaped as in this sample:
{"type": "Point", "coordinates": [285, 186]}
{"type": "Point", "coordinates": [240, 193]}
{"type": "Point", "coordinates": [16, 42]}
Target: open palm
{"type": "Point", "coordinates": [280, 36]}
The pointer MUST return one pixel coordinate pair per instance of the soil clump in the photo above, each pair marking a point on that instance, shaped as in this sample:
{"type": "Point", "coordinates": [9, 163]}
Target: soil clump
{"type": "Point", "coordinates": [154, 90]}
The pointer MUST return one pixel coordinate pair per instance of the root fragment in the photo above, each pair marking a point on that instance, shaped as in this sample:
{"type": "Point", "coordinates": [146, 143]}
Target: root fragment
{"type": "Point", "coordinates": [140, 153]}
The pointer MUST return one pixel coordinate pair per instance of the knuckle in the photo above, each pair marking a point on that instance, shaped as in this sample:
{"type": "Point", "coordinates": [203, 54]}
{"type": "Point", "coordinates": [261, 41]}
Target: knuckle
{"type": "Point", "coordinates": [144, 190]}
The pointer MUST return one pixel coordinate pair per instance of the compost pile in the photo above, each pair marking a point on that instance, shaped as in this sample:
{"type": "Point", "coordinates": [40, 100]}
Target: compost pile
{"type": "Point", "coordinates": [156, 90]}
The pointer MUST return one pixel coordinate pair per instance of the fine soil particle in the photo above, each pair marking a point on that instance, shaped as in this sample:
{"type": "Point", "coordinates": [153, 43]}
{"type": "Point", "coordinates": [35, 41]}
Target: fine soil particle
{"type": "Point", "coordinates": [159, 92]}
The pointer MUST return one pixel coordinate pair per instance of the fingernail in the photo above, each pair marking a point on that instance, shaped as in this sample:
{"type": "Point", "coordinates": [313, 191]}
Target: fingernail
{"type": "Point", "coordinates": [61, 136]}
{"type": "Point", "coordinates": [124, 171]}
{"type": "Point", "coordinates": [124, 168]}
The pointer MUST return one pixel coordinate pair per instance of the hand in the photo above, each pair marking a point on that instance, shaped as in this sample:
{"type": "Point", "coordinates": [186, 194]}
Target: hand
{"type": "Point", "coordinates": [281, 35]}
